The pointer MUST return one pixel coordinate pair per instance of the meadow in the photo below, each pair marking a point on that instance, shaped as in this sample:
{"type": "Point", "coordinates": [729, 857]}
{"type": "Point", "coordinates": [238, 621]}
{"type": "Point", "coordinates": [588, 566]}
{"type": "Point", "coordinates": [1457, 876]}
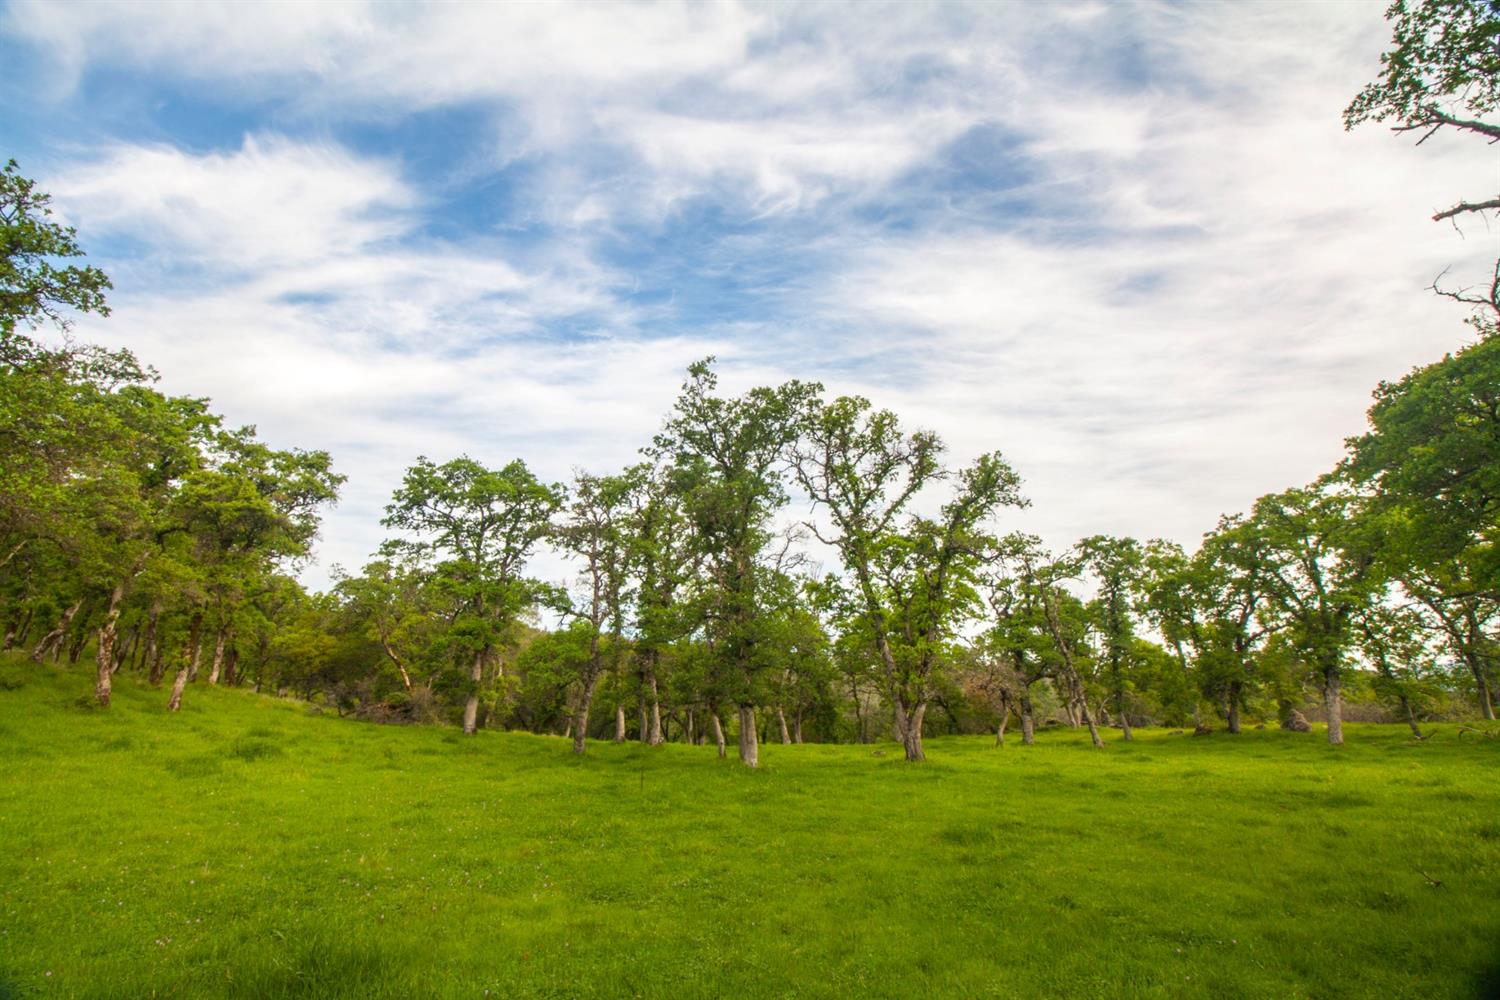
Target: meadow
{"type": "Point", "coordinates": [250, 847]}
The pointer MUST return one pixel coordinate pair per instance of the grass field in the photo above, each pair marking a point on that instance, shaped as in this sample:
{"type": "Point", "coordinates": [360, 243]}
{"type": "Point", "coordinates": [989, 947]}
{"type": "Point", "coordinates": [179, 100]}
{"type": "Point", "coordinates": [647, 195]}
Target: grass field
{"type": "Point", "coordinates": [248, 848]}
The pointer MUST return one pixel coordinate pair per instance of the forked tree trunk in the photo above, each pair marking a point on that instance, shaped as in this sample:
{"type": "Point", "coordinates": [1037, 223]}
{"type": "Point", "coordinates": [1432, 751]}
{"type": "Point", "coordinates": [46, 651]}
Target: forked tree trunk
{"type": "Point", "coordinates": [749, 738]}
{"type": "Point", "coordinates": [52, 641]}
{"type": "Point", "coordinates": [126, 649]}
{"type": "Point", "coordinates": [471, 706]}
{"type": "Point", "coordinates": [718, 731]}
{"type": "Point", "coordinates": [189, 662]}
{"type": "Point", "coordinates": [217, 668]}
{"type": "Point", "coordinates": [786, 735]}
{"type": "Point", "coordinates": [104, 655]}
{"type": "Point", "coordinates": [913, 740]}
{"type": "Point", "coordinates": [1333, 703]}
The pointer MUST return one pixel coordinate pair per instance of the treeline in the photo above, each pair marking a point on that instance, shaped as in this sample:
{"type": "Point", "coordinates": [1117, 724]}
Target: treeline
{"type": "Point", "coordinates": [137, 528]}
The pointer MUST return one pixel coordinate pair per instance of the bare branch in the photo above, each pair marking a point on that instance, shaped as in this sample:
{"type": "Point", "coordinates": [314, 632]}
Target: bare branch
{"type": "Point", "coordinates": [1466, 206]}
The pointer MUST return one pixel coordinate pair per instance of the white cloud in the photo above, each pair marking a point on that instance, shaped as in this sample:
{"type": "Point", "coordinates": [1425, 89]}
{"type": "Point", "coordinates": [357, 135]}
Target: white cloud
{"type": "Point", "coordinates": [1201, 277]}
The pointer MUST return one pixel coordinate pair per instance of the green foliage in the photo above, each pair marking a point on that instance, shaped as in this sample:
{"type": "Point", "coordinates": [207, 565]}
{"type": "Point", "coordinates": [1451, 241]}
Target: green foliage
{"type": "Point", "coordinates": [33, 288]}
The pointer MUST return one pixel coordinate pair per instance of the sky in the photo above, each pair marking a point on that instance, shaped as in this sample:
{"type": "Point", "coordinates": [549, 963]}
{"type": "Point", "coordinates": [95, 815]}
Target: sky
{"type": "Point", "coordinates": [1128, 245]}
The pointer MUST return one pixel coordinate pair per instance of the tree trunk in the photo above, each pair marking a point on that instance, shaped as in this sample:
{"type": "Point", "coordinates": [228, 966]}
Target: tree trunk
{"type": "Point", "coordinates": [197, 651]}
{"type": "Point", "coordinates": [75, 651]}
{"type": "Point", "coordinates": [1028, 720]}
{"type": "Point", "coordinates": [619, 723]}
{"type": "Point", "coordinates": [17, 634]}
{"type": "Point", "coordinates": [691, 736]}
{"type": "Point", "coordinates": [126, 649]}
{"type": "Point", "coordinates": [786, 735]}
{"type": "Point", "coordinates": [1232, 708]}
{"type": "Point", "coordinates": [749, 739]}
{"type": "Point", "coordinates": [401, 667]}
{"type": "Point", "coordinates": [1124, 717]}
{"type": "Point", "coordinates": [1411, 717]}
{"type": "Point", "coordinates": [1000, 729]}
{"type": "Point", "coordinates": [913, 741]}
{"type": "Point", "coordinates": [1333, 702]}
{"type": "Point", "coordinates": [104, 655]}
{"type": "Point", "coordinates": [643, 731]}
{"type": "Point", "coordinates": [797, 727]}
{"type": "Point", "coordinates": [471, 706]}
{"type": "Point", "coordinates": [1088, 720]}
{"type": "Point", "coordinates": [718, 731]}
{"type": "Point", "coordinates": [1482, 686]}
{"type": "Point", "coordinates": [581, 716]}
{"type": "Point", "coordinates": [189, 662]}
{"type": "Point", "coordinates": [52, 641]}
{"type": "Point", "coordinates": [217, 668]}
{"type": "Point", "coordinates": [232, 667]}
{"type": "Point", "coordinates": [658, 736]}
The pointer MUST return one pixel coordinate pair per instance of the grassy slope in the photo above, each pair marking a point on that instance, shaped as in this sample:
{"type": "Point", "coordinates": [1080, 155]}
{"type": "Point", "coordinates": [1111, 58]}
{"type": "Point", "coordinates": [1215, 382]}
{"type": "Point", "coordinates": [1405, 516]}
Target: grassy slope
{"type": "Point", "coordinates": [245, 848]}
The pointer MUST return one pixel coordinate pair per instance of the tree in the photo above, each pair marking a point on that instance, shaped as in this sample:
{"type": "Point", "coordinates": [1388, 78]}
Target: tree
{"type": "Point", "coordinates": [1429, 472]}
{"type": "Point", "coordinates": [488, 521]}
{"type": "Point", "coordinates": [34, 289]}
{"type": "Point", "coordinates": [1320, 575]}
{"type": "Point", "coordinates": [1116, 564]}
{"type": "Point", "coordinates": [1441, 72]}
{"type": "Point", "coordinates": [726, 455]}
{"type": "Point", "coordinates": [592, 531]}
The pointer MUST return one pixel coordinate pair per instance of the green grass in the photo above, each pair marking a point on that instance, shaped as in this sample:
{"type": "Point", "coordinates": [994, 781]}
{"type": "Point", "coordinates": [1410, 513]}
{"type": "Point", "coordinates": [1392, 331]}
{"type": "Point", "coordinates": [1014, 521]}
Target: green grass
{"type": "Point", "coordinates": [248, 848]}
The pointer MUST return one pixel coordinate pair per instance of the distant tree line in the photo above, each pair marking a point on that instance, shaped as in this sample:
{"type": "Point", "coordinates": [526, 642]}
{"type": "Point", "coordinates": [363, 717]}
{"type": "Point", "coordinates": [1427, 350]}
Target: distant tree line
{"type": "Point", "coordinates": [138, 529]}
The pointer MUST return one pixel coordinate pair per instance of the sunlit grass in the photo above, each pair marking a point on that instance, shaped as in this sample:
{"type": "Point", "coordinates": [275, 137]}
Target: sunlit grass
{"type": "Point", "coordinates": [247, 848]}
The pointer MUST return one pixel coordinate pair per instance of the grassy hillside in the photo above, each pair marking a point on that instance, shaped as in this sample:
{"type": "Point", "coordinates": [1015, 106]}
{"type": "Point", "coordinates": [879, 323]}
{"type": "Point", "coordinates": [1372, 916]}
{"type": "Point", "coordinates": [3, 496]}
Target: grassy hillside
{"type": "Point", "coordinates": [247, 848]}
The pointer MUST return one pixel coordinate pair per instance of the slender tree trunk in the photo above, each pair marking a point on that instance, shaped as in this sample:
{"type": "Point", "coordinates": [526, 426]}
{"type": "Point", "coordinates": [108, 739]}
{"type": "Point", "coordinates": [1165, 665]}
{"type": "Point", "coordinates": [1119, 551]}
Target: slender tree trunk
{"type": "Point", "coordinates": [52, 641]}
{"type": "Point", "coordinates": [189, 662]}
{"type": "Point", "coordinates": [749, 738]}
{"type": "Point", "coordinates": [913, 741]}
{"type": "Point", "coordinates": [471, 706]}
{"type": "Point", "coordinates": [150, 658]}
{"type": "Point", "coordinates": [126, 649]}
{"type": "Point", "coordinates": [17, 634]}
{"type": "Point", "coordinates": [718, 731]}
{"type": "Point", "coordinates": [232, 667]}
{"type": "Point", "coordinates": [217, 668]}
{"type": "Point", "coordinates": [1088, 720]}
{"type": "Point", "coordinates": [1232, 707]}
{"type": "Point", "coordinates": [797, 727]}
{"type": "Point", "coordinates": [197, 655]}
{"type": "Point", "coordinates": [104, 654]}
{"type": "Point", "coordinates": [1000, 729]}
{"type": "Point", "coordinates": [1028, 720]}
{"type": "Point", "coordinates": [400, 667]}
{"type": "Point", "coordinates": [619, 722]}
{"type": "Point", "coordinates": [1411, 716]}
{"type": "Point", "coordinates": [786, 735]}
{"type": "Point", "coordinates": [1124, 717]}
{"type": "Point", "coordinates": [658, 736]}
{"type": "Point", "coordinates": [1481, 686]}
{"type": "Point", "coordinates": [643, 732]}
{"type": "Point", "coordinates": [1333, 702]}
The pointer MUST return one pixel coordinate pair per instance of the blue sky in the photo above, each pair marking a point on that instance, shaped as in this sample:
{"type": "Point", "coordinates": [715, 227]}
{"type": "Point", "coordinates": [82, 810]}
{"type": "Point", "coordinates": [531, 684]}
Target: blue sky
{"type": "Point", "coordinates": [1129, 245]}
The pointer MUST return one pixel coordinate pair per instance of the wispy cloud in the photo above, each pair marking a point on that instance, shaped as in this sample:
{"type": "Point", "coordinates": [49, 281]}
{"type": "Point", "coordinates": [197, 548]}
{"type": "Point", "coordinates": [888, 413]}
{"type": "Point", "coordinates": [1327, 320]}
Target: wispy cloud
{"type": "Point", "coordinates": [1129, 245]}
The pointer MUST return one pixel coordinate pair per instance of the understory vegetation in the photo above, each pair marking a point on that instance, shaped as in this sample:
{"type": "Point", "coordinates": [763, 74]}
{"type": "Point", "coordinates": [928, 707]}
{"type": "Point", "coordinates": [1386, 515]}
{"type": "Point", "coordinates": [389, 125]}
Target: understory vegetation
{"type": "Point", "coordinates": [252, 847]}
